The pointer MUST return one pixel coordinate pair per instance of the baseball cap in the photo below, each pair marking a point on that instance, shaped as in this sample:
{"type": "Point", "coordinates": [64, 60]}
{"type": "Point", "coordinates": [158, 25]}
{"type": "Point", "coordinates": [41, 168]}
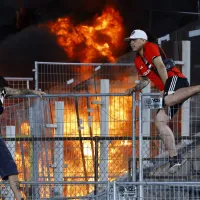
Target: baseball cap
{"type": "Point", "coordinates": [137, 34]}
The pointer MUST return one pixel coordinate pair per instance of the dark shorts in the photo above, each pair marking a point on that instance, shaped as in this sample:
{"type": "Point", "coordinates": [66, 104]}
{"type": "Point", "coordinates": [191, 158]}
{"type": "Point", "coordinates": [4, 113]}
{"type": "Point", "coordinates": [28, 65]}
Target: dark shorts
{"type": "Point", "coordinates": [172, 84]}
{"type": "Point", "coordinates": [7, 164]}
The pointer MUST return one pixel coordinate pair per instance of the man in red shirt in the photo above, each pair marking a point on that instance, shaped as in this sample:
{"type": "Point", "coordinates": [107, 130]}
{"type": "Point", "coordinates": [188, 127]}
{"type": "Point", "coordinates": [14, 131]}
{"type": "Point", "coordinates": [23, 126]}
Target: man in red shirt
{"type": "Point", "coordinates": [153, 65]}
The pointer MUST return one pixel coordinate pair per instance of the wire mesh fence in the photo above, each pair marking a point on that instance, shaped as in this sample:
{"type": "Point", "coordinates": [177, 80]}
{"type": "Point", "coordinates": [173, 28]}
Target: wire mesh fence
{"type": "Point", "coordinates": [53, 139]}
{"type": "Point", "coordinates": [114, 191]}
{"type": "Point", "coordinates": [154, 157]}
{"type": "Point", "coordinates": [82, 137]}
{"type": "Point", "coordinates": [50, 145]}
{"type": "Point", "coordinates": [17, 83]}
{"type": "Point", "coordinates": [56, 190]}
{"type": "Point", "coordinates": [83, 77]}
{"type": "Point", "coordinates": [156, 190]}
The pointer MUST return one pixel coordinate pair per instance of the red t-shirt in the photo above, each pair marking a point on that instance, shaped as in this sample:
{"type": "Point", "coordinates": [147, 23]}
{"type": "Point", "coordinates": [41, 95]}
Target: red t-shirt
{"type": "Point", "coordinates": [151, 51]}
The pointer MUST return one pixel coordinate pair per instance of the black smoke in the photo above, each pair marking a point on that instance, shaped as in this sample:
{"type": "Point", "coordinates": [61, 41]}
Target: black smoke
{"type": "Point", "coordinates": [19, 52]}
{"type": "Point", "coordinates": [22, 43]}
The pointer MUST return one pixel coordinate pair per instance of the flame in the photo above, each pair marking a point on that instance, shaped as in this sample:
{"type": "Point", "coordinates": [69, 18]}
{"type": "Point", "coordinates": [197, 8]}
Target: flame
{"type": "Point", "coordinates": [87, 149]}
{"type": "Point", "coordinates": [25, 131]}
{"type": "Point", "coordinates": [99, 41]}
{"type": "Point", "coordinates": [42, 167]}
{"type": "Point", "coordinates": [119, 151]}
{"type": "Point", "coordinates": [89, 43]}
{"type": "Point", "coordinates": [25, 128]}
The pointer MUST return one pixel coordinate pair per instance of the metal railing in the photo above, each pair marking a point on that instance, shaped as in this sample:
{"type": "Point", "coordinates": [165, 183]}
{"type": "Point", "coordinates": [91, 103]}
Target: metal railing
{"type": "Point", "coordinates": [38, 141]}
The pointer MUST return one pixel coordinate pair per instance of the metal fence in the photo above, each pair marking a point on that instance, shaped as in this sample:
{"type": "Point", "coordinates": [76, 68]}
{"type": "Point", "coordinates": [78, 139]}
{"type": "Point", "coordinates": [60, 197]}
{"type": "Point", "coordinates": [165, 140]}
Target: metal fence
{"type": "Point", "coordinates": [83, 77]}
{"type": "Point", "coordinates": [18, 83]}
{"type": "Point", "coordinates": [49, 190]}
{"type": "Point", "coordinates": [87, 140]}
{"type": "Point", "coordinates": [115, 190]}
{"type": "Point", "coordinates": [50, 145]}
{"type": "Point", "coordinates": [55, 139]}
{"type": "Point", "coordinates": [156, 190]}
{"type": "Point", "coordinates": [154, 159]}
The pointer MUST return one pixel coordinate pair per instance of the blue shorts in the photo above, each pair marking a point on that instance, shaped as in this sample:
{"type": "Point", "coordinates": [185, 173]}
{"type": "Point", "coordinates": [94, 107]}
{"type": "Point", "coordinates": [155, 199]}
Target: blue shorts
{"type": "Point", "coordinates": [7, 164]}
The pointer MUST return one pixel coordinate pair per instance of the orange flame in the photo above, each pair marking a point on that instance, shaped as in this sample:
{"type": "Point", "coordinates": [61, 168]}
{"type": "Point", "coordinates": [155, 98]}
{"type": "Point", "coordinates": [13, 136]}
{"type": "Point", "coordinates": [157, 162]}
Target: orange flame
{"type": "Point", "coordinates": [119, 151]}
{"type": "Point", "coordinates": [25, 128]}
{"type": "Point", "coordinates": [89, 43]}
{"type": "Point", "coordinates": [97, 42]}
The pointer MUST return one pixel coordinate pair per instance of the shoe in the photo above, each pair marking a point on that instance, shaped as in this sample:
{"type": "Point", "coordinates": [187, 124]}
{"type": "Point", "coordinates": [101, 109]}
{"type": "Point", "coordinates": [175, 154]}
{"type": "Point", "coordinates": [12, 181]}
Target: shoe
{"type": "Point", "coordinates": [175, 163]}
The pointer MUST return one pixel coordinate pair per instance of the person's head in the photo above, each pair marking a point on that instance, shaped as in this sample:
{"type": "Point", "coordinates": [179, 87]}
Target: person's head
{"type": "Point", "coordinates": [137, 39]}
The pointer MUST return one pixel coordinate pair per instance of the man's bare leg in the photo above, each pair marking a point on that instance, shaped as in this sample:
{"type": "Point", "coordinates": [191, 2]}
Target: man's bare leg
{"type": "Point", "coordinates": [166, 133]}
{"type": "Point", "coordinates": [181, 94]}
{"type": "Point", "coordinates": [14, 184]}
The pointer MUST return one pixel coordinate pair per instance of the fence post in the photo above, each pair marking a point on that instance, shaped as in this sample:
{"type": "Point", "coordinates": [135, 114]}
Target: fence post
{"type": "Point", "coordinates": [114, 191]}
{"type": "Point", "coordinates": [134, 168]}
{"type": "Point", "coordinates": [36, 75]}
{"type": "Point", "coordinates": [96, 166]}
{"type": "Point", "coordinates": [140, 147]}
{"type": "Point", "coordinates": [146, 128]}
{"type": "Point", "coordinates": [104, 130]}
{"type": "Point", "coordinates": [36, 119]}
{"type": "Point", "coordinates": [10, 133]}
{"type": "Point", "coordinates": [185, 114]}
{"type": "Point", "coordinates": [59, 146]}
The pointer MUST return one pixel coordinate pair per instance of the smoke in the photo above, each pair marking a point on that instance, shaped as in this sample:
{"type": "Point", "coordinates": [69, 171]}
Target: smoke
{"type": "Point", "coordinates": [19, 52]}
{"type": "Point", "coordinates": [63, 5]}
{"type": "Point", "coordinates": [21, 49]}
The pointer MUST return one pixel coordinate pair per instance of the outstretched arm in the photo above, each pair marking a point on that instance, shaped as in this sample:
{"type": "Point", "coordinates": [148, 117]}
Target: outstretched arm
{"type": "Point", "coordinates": [12, 91]}
{"type": "Point", "coordinates": [144, 81]}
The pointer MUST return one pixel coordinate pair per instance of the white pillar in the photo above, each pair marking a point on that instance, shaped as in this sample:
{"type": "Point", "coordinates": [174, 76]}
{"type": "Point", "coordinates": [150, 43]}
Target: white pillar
{"type": "Point", "coordinates": [146, 127]}
{"type": "Point", "coordinates": [164, 38]}
{"type": "Point", "coordinates": [104, 130]}
{"type": "Point", "coordinates": [146, 114]}
{"type": "Point", "coordinates": [185, 115]}
{"type": "Point", "coordinates": [10, 133]}
{"type": "Point", "coordinates": [59, 147]}
{"type": "Point", "coordinates": [36, 117]}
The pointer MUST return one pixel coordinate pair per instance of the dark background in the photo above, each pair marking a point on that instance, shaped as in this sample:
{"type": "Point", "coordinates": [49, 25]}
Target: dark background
{"type": "Point", "coordinates": [21, 42]}
{"type": "Point", "coordinates": [154, 15]}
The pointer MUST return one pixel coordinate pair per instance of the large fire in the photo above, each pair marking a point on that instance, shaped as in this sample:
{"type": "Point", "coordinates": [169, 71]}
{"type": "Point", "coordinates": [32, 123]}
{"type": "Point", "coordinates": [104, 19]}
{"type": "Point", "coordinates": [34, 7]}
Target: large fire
{"type": "Point", "coordinates": [99, 40]}
{"type": "Point", "coordinates": [119, 151]}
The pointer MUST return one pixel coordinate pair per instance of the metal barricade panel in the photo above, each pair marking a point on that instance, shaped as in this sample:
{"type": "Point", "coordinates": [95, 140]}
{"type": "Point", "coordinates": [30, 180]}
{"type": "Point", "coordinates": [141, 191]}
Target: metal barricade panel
{"type": "Point", "coordinates": [52, 140]}
{"type": "Point", "coordinates": [154, 156]}
{"type": "Point", "coordinates": [82, 77]}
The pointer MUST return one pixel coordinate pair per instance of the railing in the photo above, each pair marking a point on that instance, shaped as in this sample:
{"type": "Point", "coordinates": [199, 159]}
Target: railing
{"type": "Point", "coordinates": [87, 131]}
{"type": "Point", "coordinates": [49, 144]}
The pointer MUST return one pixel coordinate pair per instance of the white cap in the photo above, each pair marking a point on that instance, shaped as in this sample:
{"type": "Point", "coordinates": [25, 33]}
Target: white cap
{"type": "Point", "coordinates": [137, 34]}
